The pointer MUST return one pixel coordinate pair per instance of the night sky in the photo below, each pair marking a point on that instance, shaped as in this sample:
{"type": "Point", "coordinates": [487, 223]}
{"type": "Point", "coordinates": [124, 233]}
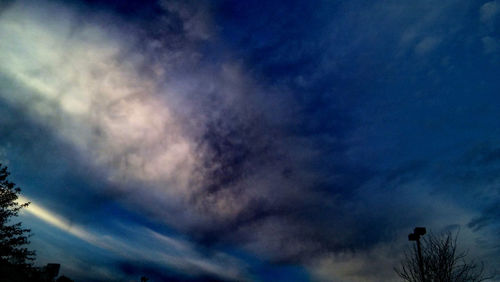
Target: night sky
{"type": "Point", "coordinates": [250, 140]}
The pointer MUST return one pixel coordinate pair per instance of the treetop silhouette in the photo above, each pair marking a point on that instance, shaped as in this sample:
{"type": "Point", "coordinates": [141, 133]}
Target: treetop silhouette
{"type": "Point", "coordinates": [15, 258]}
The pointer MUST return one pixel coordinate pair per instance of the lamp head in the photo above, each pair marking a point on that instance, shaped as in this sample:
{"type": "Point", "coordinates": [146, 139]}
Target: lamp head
{"type": "Point", "coordinates": [420, 231]}
{"type": "Point", "coordinates": [413, 237]}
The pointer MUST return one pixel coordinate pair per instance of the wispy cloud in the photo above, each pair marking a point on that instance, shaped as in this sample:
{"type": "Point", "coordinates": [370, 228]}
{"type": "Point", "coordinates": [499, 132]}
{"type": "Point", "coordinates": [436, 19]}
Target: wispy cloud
{"type": "Point", "coordinates": [59, 222]}
{"type": "Point", "coordinates": [489, 11]}
{"type": "Point", "coordinates": [141, 244]}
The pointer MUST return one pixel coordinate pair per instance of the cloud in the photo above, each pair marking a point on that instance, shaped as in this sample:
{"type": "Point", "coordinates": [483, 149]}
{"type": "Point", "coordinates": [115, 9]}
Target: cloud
{"type": "Point", "coordinates": [141, 244]}
{"type": "Point", "coordinates": [186, 146]}
{"type": "Point", "coordinates": [489, 11]}
{"type": "Point", "coordinates": [277, 138]}
{"type": "Point", "coordinates": [351, 266]}
{"type": "Point", "coordinates": [82, 86]}
{"type": "Point", "coordinates": [58, 222]}
{"type": "Point", "coordinates": [426, 45]}
{"type": "Point", "coordinates": [77, 85]}
{"type": "Point", "coordinates": [490, 44]}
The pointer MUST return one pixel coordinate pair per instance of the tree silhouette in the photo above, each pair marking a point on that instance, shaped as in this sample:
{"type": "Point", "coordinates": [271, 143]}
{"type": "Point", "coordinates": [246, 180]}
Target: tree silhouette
{"type": "Point", "coordinates": [441, 262]}
{"type": "Point", "coordinates": [15, 259]}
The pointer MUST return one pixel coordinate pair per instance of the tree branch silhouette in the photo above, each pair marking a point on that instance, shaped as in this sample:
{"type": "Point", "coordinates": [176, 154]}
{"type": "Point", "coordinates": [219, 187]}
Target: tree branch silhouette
{"type": "Point", "coordinates": [442, 262]}
{"type": "Point", "coordinates": [15, 259]}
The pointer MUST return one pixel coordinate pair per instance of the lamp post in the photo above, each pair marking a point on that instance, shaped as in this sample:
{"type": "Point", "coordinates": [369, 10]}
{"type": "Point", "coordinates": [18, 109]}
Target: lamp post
{"type": "Point", "coordinates": [415, 236]}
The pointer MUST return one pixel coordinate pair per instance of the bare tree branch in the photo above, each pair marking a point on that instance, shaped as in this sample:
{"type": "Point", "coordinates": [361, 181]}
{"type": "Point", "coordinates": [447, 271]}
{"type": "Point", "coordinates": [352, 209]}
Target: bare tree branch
{"type": "Point", "coordinates": [442, 262]}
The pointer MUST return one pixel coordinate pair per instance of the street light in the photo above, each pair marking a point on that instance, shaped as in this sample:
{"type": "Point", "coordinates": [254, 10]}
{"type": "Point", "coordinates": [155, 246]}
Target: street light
{"type": "Point", "coordinates": [415, 236]}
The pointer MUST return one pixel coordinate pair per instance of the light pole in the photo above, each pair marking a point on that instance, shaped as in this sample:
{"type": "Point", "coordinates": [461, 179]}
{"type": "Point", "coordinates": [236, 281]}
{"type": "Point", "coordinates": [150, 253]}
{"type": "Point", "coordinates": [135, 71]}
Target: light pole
{"type": "Point", "coordinates": [415, 236]}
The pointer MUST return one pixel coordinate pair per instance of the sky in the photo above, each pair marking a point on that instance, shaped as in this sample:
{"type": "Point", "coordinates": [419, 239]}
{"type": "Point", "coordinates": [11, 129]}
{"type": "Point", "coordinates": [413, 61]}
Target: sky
{"type": "Point", "coordinates": [250, 140]}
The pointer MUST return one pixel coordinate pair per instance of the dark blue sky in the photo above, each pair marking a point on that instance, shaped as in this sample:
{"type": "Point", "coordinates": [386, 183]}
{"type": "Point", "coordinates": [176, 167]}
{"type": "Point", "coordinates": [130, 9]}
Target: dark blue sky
{"type": "Point", "coordinates": [250, 140]}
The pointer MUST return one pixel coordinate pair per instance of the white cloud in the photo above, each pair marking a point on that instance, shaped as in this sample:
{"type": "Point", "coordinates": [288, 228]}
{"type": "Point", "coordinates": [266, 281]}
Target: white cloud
{"type": "Point", "coordinates": [83, 82]}
{"type": "Point", "coordinates": [83, 85]}
{"type": "Point", "coordinates": [59, 222]}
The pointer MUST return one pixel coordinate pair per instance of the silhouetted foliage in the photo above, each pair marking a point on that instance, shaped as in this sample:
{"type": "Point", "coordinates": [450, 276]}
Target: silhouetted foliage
{"type": "Point", "coordinates": [63, 279]}
{"type": "Point", "coordinates": [442, 262]}
{"type": "Point", "coordinates": [15, 258]}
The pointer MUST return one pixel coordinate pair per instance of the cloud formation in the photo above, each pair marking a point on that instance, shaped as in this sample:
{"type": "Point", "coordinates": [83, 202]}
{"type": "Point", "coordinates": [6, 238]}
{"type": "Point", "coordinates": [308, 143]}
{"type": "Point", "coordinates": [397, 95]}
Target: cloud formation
{"type": "Point", "coordinates": [313, 140]}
